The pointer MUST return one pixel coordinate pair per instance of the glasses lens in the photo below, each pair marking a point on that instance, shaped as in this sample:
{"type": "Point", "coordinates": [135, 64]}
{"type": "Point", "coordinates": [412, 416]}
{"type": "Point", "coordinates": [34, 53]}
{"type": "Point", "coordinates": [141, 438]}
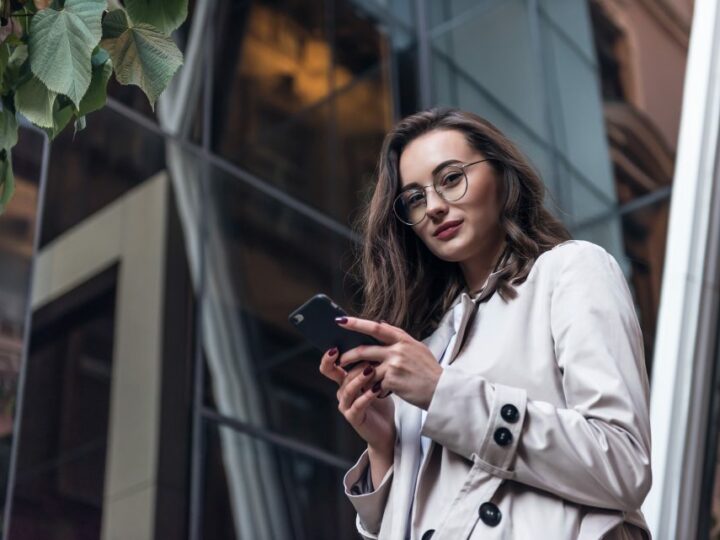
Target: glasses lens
{"type": "Point", "coordinates": [451, 183]}
{"type": "Point", "coordinates": [410, 206]}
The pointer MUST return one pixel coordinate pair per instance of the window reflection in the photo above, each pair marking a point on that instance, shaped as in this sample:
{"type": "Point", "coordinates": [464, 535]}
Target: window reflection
{"type": "Point", "coordinates": [262, 261]}
{"type": "Point", "coordinates": [282, 81]}
{"type": "Point", "coordinates": [17, 231]}
{"type": "Point", "coordinates": [254, 490]}
{"type": "Point", "coordinates": [62, 446]}
{"type": "Point", "coordinates": [93, 168]}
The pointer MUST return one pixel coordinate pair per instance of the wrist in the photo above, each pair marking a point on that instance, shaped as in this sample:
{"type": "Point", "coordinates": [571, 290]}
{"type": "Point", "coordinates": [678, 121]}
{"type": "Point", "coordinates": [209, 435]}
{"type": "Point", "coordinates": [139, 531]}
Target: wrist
{"type": "Point", "coordinates": [431, 388]}
{"type": "Point", "coordinates": [383, 454]}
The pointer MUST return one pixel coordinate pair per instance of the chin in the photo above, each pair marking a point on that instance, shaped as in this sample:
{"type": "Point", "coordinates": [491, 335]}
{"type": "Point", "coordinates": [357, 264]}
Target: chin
{"type": "Point", "coordinates": [454, 253]}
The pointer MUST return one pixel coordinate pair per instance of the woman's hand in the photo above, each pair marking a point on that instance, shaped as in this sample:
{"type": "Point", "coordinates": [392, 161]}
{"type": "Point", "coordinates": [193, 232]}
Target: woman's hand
{"type": "Point", "coordinates": [372, 418]}
{"type": "Point", "coordinates": [406, 367]}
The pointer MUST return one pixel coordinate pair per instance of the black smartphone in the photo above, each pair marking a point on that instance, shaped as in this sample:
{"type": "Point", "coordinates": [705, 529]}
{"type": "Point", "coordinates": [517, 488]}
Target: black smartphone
{"type": "Point", "coordinates": [315, 320]}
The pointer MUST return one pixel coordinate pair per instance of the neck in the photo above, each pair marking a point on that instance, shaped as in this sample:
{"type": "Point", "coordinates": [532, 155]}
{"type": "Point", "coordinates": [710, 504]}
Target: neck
{"type": "Point", "coordinates": [478, 269]}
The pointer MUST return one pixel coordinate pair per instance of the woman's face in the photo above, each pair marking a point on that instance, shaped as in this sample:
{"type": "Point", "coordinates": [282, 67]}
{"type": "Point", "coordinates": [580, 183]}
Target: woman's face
{"type": "Point", "coordinates": [478, 233]}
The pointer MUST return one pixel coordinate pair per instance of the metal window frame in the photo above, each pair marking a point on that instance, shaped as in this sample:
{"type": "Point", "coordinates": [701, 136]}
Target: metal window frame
{"type": "Point", "coordinates": [688, 315]}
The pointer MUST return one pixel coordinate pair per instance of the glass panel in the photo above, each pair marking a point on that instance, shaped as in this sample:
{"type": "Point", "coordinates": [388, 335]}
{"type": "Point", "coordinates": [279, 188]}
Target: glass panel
{"type": "Point", "coordinates": [401, 11]}
{"type": "Point", "coordinates": [61, 454]}
{"type": "Point", "coordinates": [473, 45]}
{"type": "Point", "coordinates": [106, 159]}
{"type": "Point", "coordinates": [292, 89]}
{"type": "Point", "coordinates": [255, 490]}
{"type": "Point", "coordinates": [645, 233]}
{"type": "Point", "coordinates": [712, 504]}
{"type": "Point", "coordinates": [364, 115]}
{"type": "Point", "coordinates": [572, 19]}
{"type": "Point", "coordinates": [579, 123]}
{"type": "Point", "coordinates": [263, 259]}
{"type": "Point", "coordinates": [17, 233]}
{"type": "Point", "coordinates": [273, 62]}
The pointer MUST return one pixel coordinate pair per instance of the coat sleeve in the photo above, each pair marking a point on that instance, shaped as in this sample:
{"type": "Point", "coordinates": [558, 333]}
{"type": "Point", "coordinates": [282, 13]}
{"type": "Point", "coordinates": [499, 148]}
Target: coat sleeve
{"type": "Point", "coordinates": [594, 451]}
{"type": "Point", "coordinates": [369, 503]}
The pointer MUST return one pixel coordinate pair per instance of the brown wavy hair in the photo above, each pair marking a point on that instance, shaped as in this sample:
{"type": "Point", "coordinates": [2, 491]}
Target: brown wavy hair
{"type": "Point", "coordinates": [403, 282]}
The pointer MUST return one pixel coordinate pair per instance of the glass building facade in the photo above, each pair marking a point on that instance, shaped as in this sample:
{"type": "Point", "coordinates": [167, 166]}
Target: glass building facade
{"type": "Point", "coordinates": [164, 393]}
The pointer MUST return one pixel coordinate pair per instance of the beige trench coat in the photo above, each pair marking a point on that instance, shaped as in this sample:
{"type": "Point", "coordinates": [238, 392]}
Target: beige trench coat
{"type": "Point", "coordinates": [539, 423]}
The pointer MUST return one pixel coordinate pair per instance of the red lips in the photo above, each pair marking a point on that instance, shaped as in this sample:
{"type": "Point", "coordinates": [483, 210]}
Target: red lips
{"type": "Point", "coordinates": [447, 225]}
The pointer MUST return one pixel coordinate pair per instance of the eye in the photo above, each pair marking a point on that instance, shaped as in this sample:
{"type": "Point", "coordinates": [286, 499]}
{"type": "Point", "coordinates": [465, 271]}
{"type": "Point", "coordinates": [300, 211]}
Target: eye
{"type": "Point", "coordinates": [451, 178]}
{"type": "Point", "coordinates": [414, 198]}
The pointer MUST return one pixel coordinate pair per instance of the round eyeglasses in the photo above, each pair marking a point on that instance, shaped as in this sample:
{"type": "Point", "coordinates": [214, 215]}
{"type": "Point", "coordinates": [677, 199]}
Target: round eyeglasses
{"type": "Point", "coordinates": [450, 183]}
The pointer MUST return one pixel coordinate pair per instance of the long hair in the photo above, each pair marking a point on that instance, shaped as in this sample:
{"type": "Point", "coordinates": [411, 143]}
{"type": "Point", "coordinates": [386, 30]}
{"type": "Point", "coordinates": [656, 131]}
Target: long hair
{"type": "Point", "coordinates": [403, 282]}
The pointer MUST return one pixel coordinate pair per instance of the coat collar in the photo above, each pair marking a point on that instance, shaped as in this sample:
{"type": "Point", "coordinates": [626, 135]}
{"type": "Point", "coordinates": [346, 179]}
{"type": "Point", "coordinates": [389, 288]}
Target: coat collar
{"type": "Point", "coordinates": [477, 297]}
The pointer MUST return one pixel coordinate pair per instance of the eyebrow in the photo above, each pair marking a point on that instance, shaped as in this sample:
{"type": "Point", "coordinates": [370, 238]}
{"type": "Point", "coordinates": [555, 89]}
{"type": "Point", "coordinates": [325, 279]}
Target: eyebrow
{"type": "Point", "coordinates": [439, 167]}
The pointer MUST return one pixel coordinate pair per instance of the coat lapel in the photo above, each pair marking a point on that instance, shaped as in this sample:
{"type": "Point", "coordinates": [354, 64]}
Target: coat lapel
{"type": "Point", "coordinates": [410, 425]}
{"type": "Point", "coordinates": [470, 308]}
{"type": "Point", "coordinates": [411, 417]}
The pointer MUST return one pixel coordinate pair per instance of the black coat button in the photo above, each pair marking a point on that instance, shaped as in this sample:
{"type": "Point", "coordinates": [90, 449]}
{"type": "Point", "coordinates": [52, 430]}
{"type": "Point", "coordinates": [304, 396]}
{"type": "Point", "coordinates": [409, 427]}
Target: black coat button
{"type": "Point", "coordinates": [428, 534]}
{"type": "Point", "coordinates": [502, 436]}
{"type": "Point", "coordinates": [490, 514]}
{"type": "Point", "coordinates": [509, 413]}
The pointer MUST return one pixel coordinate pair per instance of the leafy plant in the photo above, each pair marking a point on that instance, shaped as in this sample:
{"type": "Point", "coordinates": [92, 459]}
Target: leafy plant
{"type": "Point", "coordinates": [56, 57]}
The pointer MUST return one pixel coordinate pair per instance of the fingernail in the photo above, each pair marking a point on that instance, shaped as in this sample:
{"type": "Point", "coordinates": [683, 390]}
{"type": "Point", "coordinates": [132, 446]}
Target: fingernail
{"type": "Point", "coordinates": [333, 351]}
{"type": "Point", "coordinates": [368, 370]}
{"type": "Point", "coordinates": [376, 387]}
{"type": "Point", "coordinates": [341, 320]}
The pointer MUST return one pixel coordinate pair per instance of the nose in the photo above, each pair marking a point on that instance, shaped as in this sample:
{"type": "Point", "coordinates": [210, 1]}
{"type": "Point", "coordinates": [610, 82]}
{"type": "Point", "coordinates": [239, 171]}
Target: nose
{"type": "Point", "coordinates": [436, 205]}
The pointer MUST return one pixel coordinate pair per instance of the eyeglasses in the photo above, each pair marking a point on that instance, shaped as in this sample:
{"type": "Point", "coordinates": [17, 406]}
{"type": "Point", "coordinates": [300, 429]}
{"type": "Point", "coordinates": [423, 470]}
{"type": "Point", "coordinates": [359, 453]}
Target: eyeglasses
{"type": "Point", "coordinates": [450, 183]}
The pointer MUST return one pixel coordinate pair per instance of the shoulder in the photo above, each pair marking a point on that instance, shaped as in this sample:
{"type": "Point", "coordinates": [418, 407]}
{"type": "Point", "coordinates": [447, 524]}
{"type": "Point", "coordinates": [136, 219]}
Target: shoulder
{"type": "Point", "coordinates": [574, 253]}
{"type": "Point", "coordinates": [580, 260]}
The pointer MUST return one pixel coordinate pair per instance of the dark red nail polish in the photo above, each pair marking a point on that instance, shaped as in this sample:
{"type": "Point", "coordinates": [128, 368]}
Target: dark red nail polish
{"type": "Point", "coordinates": [333, 351]}
{"type": "Point", "coordinates": [368, 370]}
{"type": "Point", "coordinates": [376, 387]}
{"type": "Point", "coordinates": [341, 320]}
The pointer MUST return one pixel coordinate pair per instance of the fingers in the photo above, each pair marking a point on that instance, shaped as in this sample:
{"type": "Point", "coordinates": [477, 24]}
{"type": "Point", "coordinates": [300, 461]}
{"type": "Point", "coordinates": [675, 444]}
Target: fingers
{"type": "Point", "coordinates": [380, 384]}
{"type": "Point", "coordinates": [383, 332]}
{"type": "Point", "coordinates": [357, 411]}
{"type": "Point", "coordinates": [370, 353]}
{"type": "Point", "coordinates": [354, 386]}
{"type": "Point", "coordinates": [329, 368]}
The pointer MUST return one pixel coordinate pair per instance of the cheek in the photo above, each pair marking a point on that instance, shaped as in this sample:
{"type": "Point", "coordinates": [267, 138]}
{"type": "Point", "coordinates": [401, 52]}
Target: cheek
{"type": "Point", "coordinates": [424, 235]}
{"type": "Point", "coordinates": [487, 201]}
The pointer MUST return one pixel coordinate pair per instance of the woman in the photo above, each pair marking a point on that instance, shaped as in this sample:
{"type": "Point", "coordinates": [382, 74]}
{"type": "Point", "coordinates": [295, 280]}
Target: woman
{"type": "Point", "coordinates": [513, 355]}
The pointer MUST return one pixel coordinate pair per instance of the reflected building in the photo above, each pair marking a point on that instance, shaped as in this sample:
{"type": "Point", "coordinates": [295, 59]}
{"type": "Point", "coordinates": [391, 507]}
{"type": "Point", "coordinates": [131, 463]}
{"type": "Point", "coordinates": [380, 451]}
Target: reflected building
{"type": "Point", "coordinates": [165, 393]}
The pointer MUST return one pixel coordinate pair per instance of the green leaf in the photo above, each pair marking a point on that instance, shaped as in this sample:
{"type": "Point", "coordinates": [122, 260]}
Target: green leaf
{"type": "Point", "coordinates": [17, 70]}
{"type": "Point", "coordinates": [7, 180]}
{"type": "Point", "coordinates": [18, 56]}
{"type": "Point", "coordinates": [8, 129]}
{"type": "Point", "coordinates": [61, 43]}
{"type": "Point", "coordinates": [141, 55]}
{"type": "Point", "coordinates": [4, 59]}
{"type": "Point", "coordinates": [61, 118]}
{"type": "Point", "coordinates": [99, 57]}
{"type": "Point", "coordinates": [165, 15]}
{"type": "Point", "coordinates": [96, 95]}
{"type": "Point", "coordinates": [80, 124]}
{"type": "Point", "coordinates": [35, 102]}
